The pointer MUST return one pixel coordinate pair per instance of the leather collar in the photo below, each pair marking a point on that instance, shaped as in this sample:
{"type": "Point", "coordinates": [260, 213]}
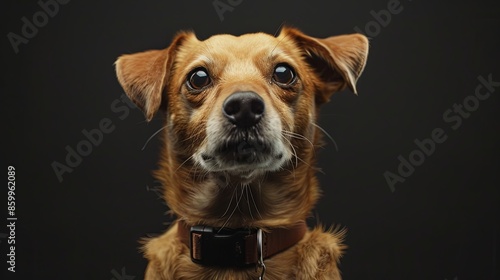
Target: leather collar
{"type": "Point", "coordinates": [236, 247]}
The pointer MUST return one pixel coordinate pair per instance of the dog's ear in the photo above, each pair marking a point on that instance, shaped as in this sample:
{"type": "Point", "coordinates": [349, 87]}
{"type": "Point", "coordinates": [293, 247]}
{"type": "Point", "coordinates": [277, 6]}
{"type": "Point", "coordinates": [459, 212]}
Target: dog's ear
{"type": "Point", "coordinates": [144, 75]}
{"type": "Point", "coordinates": [338, 60]}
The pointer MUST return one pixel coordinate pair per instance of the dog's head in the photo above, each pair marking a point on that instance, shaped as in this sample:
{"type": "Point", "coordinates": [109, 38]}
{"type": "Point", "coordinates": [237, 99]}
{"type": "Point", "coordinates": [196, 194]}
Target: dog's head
{"type": "Point", "coordinates": [240, 119]}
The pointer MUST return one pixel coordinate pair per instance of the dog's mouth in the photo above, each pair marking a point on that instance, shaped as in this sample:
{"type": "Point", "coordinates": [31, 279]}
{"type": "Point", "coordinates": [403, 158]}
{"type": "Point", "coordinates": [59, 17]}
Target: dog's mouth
{"type": "Point", "coordinates": [242, 147]}
{"type": "Point", "coordinates": [243, 154]}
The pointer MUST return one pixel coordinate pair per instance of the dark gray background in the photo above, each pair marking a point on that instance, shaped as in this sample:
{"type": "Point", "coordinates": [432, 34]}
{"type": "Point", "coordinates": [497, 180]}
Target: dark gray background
{"type": "Point", "coordinates": [441, 223]}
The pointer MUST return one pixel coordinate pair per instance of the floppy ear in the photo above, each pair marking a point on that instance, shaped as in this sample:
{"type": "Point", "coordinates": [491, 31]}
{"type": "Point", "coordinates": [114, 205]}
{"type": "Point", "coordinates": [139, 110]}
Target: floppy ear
{"type": "Point", "coordinates": [338, 60]}
{"type": "Point", "coordinates": [144, 75]}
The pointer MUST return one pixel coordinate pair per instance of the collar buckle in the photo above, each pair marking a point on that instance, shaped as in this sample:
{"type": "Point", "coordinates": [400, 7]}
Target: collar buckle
{"type": "Point", "coordinates": [220, 247]}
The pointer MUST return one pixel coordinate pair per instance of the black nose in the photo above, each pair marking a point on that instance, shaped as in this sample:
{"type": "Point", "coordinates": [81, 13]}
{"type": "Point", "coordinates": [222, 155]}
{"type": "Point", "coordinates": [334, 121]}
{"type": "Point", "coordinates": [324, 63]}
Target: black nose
{"type": "Point", "coordinates": [244, 109]}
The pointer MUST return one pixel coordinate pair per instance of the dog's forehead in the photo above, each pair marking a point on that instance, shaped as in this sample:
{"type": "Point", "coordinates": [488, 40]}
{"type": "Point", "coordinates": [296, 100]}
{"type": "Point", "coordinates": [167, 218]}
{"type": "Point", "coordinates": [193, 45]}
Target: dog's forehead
{"type": "Point", "coordinates": [234, 54]}
{"type": "Point", "coordinates": [244, 47]}
{"type": "Point", "coordinates": [248, 41]}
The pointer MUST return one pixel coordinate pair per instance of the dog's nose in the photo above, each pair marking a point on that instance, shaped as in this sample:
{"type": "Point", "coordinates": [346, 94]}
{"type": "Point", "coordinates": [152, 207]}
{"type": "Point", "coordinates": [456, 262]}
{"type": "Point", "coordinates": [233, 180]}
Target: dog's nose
{"type": "Point", "coordinates": [244, 109]}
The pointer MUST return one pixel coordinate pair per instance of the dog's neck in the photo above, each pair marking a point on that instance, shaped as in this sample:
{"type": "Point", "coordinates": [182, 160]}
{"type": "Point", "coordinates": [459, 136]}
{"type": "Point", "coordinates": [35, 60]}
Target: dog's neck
{"type": "Point", "coordinates": [219, 200]}
{"type": "Point", "coordinates": [209, 200]}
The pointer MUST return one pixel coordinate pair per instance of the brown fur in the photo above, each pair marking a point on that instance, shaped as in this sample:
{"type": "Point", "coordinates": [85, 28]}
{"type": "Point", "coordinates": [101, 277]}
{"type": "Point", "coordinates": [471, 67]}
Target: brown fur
{"type": "Point", "coordinates": [156, 79]}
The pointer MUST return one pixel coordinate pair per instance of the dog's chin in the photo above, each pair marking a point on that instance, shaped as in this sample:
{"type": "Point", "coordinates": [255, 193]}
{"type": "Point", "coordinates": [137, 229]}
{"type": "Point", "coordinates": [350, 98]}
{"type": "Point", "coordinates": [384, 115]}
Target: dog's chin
{"type": "Point", "coordinates": [242, 177]}
{"type": "Point", "coordinates": [235, 176]}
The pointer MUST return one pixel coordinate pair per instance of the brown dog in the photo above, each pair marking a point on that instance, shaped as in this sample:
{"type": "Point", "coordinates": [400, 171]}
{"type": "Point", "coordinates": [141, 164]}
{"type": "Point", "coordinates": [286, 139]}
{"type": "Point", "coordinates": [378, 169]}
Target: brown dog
{"type": "Point", "coordinates": [238, 158]}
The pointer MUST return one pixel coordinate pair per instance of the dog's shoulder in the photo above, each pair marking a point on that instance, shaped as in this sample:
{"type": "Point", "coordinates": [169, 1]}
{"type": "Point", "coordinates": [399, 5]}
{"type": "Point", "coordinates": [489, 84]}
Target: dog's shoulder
{"type": "Point", "coordinates": [319, 254]}
{"type": "Point", "coordinates": [164, 253]}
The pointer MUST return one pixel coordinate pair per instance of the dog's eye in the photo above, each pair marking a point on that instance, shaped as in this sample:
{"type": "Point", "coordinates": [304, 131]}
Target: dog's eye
{"type": "Point", "coordinates": [198, 79]}
{"type": "Point", "coordinates": [284, 75]}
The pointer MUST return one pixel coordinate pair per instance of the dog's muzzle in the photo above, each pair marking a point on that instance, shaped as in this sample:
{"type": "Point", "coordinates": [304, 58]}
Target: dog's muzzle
{"type": "Point", "coordinates": [243, 136]}
{"type": "Point", "coordinates": [244, 110]}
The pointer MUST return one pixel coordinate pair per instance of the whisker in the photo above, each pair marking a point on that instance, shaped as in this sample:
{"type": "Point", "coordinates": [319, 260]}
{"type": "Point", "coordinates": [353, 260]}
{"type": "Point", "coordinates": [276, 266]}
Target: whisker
{"type": "Point", "coordinates": [328, 135]}
{"type": "Point", "coordinates": [297, 136]}
{"type": "Point", "coordinates": [193, 170]}
{"type": "Point", "coordinates": [279, 28]}
{"type": "Point", "coordinates": [279, 42]}
{"type": "Point", "coordinates": [234, 210]}
{"type": "Point", "coordinates": [154, 134]}
{"type": "Point", "coordinates": [255, 204]}
{"type": "Point", "coordinates": [230, 203]}
{"type": "Point", "coordinates": [180, 165]}
{"type": "Point", "coordinates": [241, 196]}
{"type": "Point", "coordinates": [294, 152]}
{"type": "Point", "coordinates": [248, 201]}
{"type": "Point", "coordinates": [192, 136]}
{"type": "Point", "coordinates": [261, 181]}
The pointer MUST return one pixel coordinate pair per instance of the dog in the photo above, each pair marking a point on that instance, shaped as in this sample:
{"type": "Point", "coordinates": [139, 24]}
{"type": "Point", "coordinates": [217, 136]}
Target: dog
{"type": "Point", "coordinates": [238, 160]}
